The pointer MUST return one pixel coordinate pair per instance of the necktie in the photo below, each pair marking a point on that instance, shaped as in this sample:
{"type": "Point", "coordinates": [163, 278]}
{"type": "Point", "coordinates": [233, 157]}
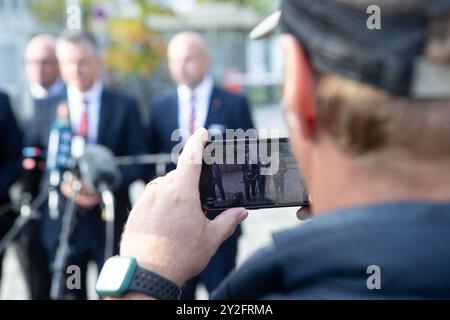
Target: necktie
{"type": "Point", "coordinates": [192, 117]}
{"type": "Point", "coordinates": [84, 131]}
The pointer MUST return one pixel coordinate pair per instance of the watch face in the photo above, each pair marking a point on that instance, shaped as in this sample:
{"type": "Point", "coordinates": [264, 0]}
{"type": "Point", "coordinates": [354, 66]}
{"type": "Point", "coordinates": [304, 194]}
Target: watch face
{"type": "Point", "coordinates": [116, 276]}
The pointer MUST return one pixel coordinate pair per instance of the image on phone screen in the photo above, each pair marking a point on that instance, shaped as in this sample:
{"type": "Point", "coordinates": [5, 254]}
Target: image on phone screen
{"type": "Point", "coordinates": [254, 174]}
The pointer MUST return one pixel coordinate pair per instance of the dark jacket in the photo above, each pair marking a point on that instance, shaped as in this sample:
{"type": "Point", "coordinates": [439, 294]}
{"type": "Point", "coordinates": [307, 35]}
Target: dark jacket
{"type": "Point", "coordinates": [329, 256]}
{"type": "Point", "coordinates": [10, 155]}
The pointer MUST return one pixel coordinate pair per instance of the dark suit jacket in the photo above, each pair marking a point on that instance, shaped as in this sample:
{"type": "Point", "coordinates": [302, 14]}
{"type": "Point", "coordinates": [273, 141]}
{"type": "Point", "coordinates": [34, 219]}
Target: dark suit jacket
{"type": "Point", "coordinates": [227, 109]}
{"type": "Point", "coordinates": [329, 257]}
{"type": "Point", "coordinates": [10, 153]}
{"type": "Point", "coordinates": [120, 130]}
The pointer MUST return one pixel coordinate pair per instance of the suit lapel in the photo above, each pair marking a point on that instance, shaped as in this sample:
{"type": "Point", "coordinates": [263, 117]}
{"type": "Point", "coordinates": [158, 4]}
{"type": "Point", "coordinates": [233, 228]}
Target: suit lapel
{"type": "Point", "coordinates": [105, 118]}
{"type": "Point", "coordinates": [173, 113]}
{"type": "Point", "coordinates": [215, 105]}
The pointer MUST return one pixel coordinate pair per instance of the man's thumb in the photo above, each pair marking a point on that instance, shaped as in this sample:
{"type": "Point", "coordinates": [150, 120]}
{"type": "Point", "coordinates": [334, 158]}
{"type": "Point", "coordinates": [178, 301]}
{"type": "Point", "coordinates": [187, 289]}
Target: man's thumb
{"type": "Point", "coordinates": [223, 226]}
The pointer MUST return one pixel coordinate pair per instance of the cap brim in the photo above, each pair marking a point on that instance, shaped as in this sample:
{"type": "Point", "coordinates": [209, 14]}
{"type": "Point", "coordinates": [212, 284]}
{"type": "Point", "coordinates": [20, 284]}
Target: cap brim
{"type": "Point", "coordinates": [266, 27]}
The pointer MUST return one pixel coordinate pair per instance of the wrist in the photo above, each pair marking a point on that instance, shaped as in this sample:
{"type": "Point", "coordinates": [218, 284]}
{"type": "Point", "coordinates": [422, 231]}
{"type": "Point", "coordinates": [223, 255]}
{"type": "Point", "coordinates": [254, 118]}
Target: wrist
{"type": "Point", "coordinates": [132, 296]}
{"type": "Point", "coordinates": [170, 273]}
{"type": "Point", "coordinates": [152, 257]}
{"type": "Point", "coordinates": [125, 278]}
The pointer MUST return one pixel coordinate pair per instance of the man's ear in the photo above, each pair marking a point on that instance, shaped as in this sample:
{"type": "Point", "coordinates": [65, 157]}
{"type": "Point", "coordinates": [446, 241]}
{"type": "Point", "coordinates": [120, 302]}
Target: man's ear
{"type": "Point", "coordinates": [299, 88]}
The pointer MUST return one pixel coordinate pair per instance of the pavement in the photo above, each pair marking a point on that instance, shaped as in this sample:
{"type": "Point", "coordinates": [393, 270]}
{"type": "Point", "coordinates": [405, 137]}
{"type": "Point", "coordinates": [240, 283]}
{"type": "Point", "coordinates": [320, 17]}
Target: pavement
{"type": "Point", "coordinates": [257, 229]}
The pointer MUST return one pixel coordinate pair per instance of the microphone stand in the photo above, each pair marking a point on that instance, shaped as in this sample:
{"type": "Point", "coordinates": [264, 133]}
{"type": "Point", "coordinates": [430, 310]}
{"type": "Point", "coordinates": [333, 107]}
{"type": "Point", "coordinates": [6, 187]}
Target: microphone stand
{"type": "Point", "coordinates": [7, 208]}
{"type": "Point", "coordinates": [63, 250]}
{"type": "Point", "coordinates": [53, 195]}
{"type": "Point", "coordinates": [28, 212]}
{"type": "Point", "coordinates": [109, 216]}
{"type": "Point", "coordinates": [159, 160]}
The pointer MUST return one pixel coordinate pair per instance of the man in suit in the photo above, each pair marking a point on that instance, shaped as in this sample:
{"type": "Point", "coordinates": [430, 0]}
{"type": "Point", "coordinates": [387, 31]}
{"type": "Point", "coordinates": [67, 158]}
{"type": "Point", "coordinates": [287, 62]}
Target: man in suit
{"type": "Point", "coordinates": [10, 150]}
{"type": "Point", "coordinates": [44, 81]}
{"type": "Point", "coordinates": [250, 175]}
{"type": "Point", "coordinates": [218, 181]}
{"type": "Point", "coordinates": [197, 102]}
{"type": "Point", "coordinates": [98, 115]}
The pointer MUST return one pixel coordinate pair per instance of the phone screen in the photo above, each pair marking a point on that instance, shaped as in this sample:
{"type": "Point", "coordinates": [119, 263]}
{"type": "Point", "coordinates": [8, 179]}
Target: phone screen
{"type": "Point", "coordinates": [254, 174]}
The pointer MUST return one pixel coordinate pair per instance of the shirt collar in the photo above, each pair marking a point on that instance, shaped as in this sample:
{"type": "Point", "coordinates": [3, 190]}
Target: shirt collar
{"type": "Point", "coordinates": [202, 91]}
{"type": "Point", "coordinates": [39, 92]}
{"type": "Point", "coordinates": [92, 94]}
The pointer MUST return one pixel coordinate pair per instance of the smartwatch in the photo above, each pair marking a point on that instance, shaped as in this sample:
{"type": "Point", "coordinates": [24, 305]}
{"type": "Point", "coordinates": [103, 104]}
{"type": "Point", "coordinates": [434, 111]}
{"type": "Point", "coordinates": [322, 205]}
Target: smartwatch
{"type": "Point", "coordinates": [120, 275]}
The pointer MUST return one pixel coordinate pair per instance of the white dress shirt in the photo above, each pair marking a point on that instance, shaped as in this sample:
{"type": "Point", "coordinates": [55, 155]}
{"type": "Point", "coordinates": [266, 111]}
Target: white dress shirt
{"type": "Point", "coordinates": [202, 95]}
{"type": "Point", "coordinates": [38, 92]}
{"type": "Point", "coordinates": [75, 100]}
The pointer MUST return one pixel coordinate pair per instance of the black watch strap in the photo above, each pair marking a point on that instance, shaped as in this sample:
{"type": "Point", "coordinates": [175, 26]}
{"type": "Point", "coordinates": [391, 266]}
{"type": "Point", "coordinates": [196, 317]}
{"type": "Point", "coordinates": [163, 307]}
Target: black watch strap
{"type": "Point", "coordinates": [154, 285]}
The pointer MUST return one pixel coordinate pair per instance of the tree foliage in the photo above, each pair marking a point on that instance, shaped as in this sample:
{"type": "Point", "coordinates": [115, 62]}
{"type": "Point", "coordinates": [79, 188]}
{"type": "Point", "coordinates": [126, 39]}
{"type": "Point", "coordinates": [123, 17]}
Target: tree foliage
{"type": "Point", "coordinates": [131, 45]}
{"type": "Point", "coordinates": [261, 6]}
{"type": "Point", "coordinates": [133, 48]}
{"type": "Point", "coordinates": [48, 12]}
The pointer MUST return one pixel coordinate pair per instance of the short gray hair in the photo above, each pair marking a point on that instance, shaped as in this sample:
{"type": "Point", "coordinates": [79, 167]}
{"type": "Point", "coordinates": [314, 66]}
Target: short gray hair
{"type": "Point", "coordinates": [79, 37]}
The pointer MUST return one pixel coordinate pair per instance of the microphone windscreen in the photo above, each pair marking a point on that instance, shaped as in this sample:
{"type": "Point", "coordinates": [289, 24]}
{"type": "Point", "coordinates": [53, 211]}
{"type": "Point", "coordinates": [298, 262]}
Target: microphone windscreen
{"type": "Point", "coordinates": [97, 166]}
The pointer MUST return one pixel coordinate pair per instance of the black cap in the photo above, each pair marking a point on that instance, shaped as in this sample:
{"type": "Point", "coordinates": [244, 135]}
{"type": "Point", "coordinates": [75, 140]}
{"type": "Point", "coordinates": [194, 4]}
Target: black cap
{"type": "Point", "coordinates": [339, 38]}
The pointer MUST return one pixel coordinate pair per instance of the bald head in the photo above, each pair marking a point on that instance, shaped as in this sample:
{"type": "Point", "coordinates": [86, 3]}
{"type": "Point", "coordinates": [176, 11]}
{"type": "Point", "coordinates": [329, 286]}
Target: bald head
{"type": "Point", "coordinates": [188, 58]}
{"type": "Point", "coordinates": [40, 60]}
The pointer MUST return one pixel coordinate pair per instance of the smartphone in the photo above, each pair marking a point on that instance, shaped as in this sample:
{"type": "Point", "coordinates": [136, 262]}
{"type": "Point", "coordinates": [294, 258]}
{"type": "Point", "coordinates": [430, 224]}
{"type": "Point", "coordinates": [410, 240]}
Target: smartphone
{"type": "Point", "coordinates": [251, 173]}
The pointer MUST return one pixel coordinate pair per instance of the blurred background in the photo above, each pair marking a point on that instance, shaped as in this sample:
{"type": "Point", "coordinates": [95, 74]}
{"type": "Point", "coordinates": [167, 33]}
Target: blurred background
{"type": "Point", "coordinates": [134, 35]}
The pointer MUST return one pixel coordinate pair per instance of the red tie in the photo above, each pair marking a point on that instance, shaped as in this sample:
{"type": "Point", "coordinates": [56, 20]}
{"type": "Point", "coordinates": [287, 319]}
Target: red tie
{"type": "Point", "coordinates": [84, 120]}
{"type": "Point", "coordinates": [192, 118]}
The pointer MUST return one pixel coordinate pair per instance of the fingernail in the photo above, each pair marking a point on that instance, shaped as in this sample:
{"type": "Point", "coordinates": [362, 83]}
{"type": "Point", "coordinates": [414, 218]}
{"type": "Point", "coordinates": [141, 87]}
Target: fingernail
{"type": "Point", "coordinates": [204, 134]}
{"type": "Point", "coordinates": [243, 215]}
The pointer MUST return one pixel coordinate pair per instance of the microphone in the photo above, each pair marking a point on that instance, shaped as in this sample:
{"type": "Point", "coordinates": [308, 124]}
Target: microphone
{"type": "Point", "coordinates": [33, 166]}
{"type": "Point", "coordinates": [58, 155]}
{"type": "Point", "coordinates": [99, 172]}
{"type": "Point", "coordinates": [98, 169]}
{"type": "Point", "coordinates": [59, 142]}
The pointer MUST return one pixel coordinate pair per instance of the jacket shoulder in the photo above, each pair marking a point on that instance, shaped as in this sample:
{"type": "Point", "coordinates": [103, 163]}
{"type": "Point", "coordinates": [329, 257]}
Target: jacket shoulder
{"type": "Point", "coordinates": [116, 94]}
{"type": "Point", "coordinates": [163, 97]}
{"type": "Point", "coordinates": [221, 92]}
{"type": "Point", "coordinates": [119, 98]}
{"type": "Point", "coordinates": [159, 102]}
{"type": "Point", "coordinates": [4, 101]}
